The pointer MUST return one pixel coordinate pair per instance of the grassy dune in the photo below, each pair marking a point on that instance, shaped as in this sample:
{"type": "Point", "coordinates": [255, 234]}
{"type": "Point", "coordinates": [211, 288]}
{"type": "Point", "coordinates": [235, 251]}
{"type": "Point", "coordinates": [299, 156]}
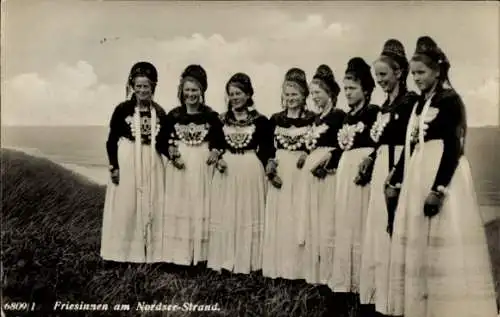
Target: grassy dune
{"type": "Point", "coordinates": [51, 223]}
{"type": "Point", "coordinates": [51, 227]}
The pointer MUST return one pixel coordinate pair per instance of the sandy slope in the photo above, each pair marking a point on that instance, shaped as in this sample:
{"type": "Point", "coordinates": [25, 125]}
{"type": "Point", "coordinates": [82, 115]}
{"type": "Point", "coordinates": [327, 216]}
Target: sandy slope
{"type": "Point", "coordinates": [97, 174]}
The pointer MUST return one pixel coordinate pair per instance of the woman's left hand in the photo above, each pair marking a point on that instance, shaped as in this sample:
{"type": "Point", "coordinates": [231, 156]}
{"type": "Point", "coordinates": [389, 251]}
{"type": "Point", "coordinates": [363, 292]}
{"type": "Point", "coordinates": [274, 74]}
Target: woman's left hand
{"type": "Point", "coordinates": [301, 161]}
{"type": "Point", "coordinates": [221, 165]}
{"type": "Point", "coordinates": [365, 165]}
{"type": "Point", "coordinates": [433, 204]}
{"type": "Point", "coordinates": [213, 157]}
{"type": "Point", "coordinates": [361, 180]}
{"type": "Point", "coordinates": [320, 172]}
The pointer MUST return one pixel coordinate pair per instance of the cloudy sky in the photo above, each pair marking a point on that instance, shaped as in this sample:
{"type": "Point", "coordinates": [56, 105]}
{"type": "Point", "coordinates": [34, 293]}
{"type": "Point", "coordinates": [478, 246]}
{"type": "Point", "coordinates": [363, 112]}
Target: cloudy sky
{"type": "Point", "coordinates": [58, 70]}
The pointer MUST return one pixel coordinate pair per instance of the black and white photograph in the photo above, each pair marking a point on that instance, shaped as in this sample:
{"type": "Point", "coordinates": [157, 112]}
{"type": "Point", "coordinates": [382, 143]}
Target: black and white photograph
{"type": "Point", "coordinates": [250, 158]}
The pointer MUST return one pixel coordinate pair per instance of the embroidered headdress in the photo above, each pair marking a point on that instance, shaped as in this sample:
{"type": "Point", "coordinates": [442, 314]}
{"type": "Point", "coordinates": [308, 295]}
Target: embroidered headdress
{"type": "Point", "coordinates": [196, 74]}
{"type": "Point", "coordinates": [428, 50]}
{"type": "Point", "coordinates": [324, 74]}
{"type": "Point", "coordinates": [298, 76]}
{"type": "Point", "coordinates": [145, 69]}
{"type": "Point", "coordinates": [395, 50]}
{"type": "Point", "coordinates": [244, 83]}
{"type": "Point", "coordinates": [360, 70]}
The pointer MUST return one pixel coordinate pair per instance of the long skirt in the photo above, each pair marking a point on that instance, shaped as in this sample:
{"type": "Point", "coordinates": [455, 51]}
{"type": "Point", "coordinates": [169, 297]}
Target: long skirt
{"type": "Point", "coordinates": [374, 276]}
{"type": "Point", "coordinates": [285, 252]}
{"type": "Point", "coordinates": [351, 206]}
{"type": "Point", "coordinates": [237, 214]}
{"type": "Point", "coordinates": [439, 266]}
{"type": "Point", "coordinates": [319, 204]}
{"type": "Point", "coordinates": [126, 235]}
{"type": "Point", "coordinates": [186, 215]}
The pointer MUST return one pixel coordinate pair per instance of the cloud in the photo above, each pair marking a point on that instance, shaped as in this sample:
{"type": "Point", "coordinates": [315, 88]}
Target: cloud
{"type": "Point", "coordinates": [86, 91]}
{"type": "Point", "coordinates": [73, 94]}
{"type": "Point", "coordinates": [70, 95]}
{"type": "Point", "coordinates": [483, 103]}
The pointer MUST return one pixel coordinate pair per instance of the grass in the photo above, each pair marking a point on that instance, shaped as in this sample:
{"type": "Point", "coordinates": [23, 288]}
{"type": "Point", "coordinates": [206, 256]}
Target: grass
{"type": "Point", "coordinates": [51, 229]}
{"type": "Point", "coordinates": [51, 221]}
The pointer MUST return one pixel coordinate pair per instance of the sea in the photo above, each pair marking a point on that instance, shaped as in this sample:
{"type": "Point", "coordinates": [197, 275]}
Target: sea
{"type": "Point", "coordinates": [83, 149]}
{"type": "Point", "coordinates": [79, 148]}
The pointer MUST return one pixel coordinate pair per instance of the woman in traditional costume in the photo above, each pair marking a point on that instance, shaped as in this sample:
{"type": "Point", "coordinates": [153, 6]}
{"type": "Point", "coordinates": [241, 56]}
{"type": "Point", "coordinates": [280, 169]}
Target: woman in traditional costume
{"type": "Point", "coordinates": [285, 251]}
{"type": "Point", "coordinates": [239, 188]}
{"type": "Point", "coordinates": [196, 142]}
{"type": "Point", "coordinates": [439, 258]}
{"type": "Point", "coordinates": [131, 229]}
{"type": "Point", "coordinates": [388, 132]}
{"type": "Point", "coordinates": [319, 182]}
{"type": "Point", "coordinates": [351, 198]}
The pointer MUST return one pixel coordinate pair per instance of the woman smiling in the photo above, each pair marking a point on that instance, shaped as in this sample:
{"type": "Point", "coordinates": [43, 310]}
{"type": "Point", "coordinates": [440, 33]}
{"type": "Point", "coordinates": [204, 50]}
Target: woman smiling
{"type": "Point", "coordinates": [439, 258]}
{"type": "Point", "coordinates": [196, 142]}
{"type": "Point", "coordinates": [285, 251]}
{"type": "Point", "coordinates": [239, 188]}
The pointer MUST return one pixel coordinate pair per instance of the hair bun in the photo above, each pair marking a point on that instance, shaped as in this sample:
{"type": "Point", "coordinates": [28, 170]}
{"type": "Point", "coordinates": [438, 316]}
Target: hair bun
{"type": "Point", "coordinates": [393, 47]}
{"type": "Point", "coordinates": [198, 73]}
{"type": "Point", "coordinates": [295, 74]}
{"type": "Point", "coordinates": [298, 76]}
{"type": "Point", "coordinates": [425, 44]}
{"type": "Point", "coordinates": [360, 69]}
{"type": "Point", "coordinates": [323, 71]}
{"type": "Point", "coordinates": [243, 81]}
{"type": "Point", "coordinates": [357, 64]}
{"type": "Point", "coordinates": [325, 74]}
{"type": "Point", "coordinates": [144, 69]}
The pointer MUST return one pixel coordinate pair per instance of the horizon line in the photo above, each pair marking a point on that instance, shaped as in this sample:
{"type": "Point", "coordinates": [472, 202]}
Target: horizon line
{"type": "Point", "coordinates": [107, 125]}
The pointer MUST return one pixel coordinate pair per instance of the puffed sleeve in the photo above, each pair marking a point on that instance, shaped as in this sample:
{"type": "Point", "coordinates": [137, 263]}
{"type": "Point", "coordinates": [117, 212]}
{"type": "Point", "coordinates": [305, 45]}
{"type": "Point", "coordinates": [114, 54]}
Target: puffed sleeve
{"type": "Point", "coordinates": [335, 126]}
{"type": "Point", "coordinates": [371, 117]}
{"type": "Point", "coordinates": [397, 173]}
{"type": "Point", "coordinates": [163, 133]}
{"type": "Point", "coordinates": [454, 128]}
{"type": "Point", "coordinates": [373, 154]}
{"type": "Point", "coordinates": [270, 135]}
{"type": "Point", "coordinates": [166, 137]}
{"type": "Point", "coordinates": [265, 140]}
{"type": "Point", "coordinates": [113, 137]}
{"type": "Point", "coordinates": [215, 136]}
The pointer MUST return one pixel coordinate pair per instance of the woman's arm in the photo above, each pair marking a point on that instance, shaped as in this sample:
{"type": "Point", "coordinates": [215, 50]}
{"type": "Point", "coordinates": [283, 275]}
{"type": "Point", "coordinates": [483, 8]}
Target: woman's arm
{"type": "Point", "coordinates": [113, 137]}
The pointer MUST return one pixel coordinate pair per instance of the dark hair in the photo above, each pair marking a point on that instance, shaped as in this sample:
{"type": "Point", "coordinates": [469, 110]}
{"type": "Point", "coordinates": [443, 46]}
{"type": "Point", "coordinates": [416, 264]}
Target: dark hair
{"type": "Point", "coordinates": [152, 83]}
{"type": "Point", "coordinates": [326, 80]}
{"type": "Point", "coordinates": [243, 82]}
{"type": "Point", "coordinates": [428, 52]}
{"type": "Point", "coordinates": [395, 65]}
{"type": "Point", "coordinates": [180, 90]}
{"type": "Point", "coordinates": [299, 87]}
{"type": "Point", "coordinates": [358, 70]}
{"type": "Point", "coordinates": [141, 69]}
{"type": "Point", "coordinates": [393, 54]}
{"type": "Point", "coordinates": [442, 67]}
{"type": "Point", "coordinates": [196, 74]}
{"type": "Point", "coordinates": [354, 77]}
{"type": "Point", "coordinates": [297, 76]}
